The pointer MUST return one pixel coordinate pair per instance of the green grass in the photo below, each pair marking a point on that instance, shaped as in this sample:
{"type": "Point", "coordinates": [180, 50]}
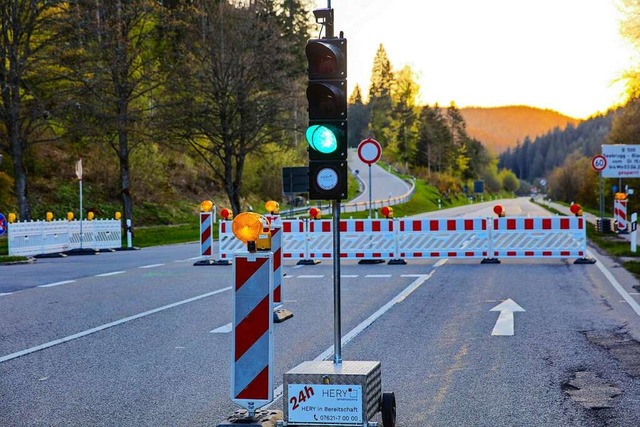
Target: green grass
{"type": "Point", "coordinates": [166, 235]}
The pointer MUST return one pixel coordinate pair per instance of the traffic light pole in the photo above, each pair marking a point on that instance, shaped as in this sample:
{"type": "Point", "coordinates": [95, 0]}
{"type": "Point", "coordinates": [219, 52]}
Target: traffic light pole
{"type": "Point", "coordinates": [337, 334]}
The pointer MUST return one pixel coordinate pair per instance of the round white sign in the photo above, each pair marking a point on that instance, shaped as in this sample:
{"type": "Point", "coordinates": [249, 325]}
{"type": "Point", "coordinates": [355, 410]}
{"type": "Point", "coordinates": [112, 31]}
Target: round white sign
{"type": "Point", "coordinates": [369, 151]}
{"type": "Point", "coordinates": [327, 179]}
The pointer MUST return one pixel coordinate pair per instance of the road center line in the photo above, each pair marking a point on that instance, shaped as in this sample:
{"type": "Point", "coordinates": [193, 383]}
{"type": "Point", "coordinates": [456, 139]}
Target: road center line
{"type": "Point", "coordinates": [113, 273]}
{"type": "Point", "coordinates": [325, 355]}
{"type": "Point", "coordinates": [311, 276]}
{"type": "Point", "coordinates": [378, 276]}
{"type": "Point", "coordinates": [151, 266]}
{"type": "Point", "coordinates": [108, 325]}
{"type": "Point", "coordinates": [51, 285]}
{"type": "Point", "coordinates": [5, 293]}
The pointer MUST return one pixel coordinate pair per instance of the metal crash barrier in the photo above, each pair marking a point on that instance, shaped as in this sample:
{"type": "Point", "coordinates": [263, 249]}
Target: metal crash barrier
{"type": "Point", "coordinates": [389, 239]}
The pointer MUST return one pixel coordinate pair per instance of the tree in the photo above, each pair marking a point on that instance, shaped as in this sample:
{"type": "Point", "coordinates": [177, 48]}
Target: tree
{"type": "Point", "coordinates": [404, 94]}
{"type": "Point", "coordinates": [358, 114]}
{"type": "Point", "coordinates": [115, 70]}
{"type": "Point", "coordinates": [380, 102]}
{"type": "Point", "coordinates": [26, 34]}
{"type": "Point", "coordinates": [227, 105]}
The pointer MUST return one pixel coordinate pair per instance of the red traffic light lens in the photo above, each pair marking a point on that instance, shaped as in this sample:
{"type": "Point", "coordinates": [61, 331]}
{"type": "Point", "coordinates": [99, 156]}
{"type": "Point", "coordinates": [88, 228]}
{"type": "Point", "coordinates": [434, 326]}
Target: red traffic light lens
{"type": "Point", "coordinates": [326, 58]}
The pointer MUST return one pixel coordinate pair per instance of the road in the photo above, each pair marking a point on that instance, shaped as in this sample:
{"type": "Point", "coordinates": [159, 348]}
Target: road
{"type": "Point", "coordinates": [125, 339]}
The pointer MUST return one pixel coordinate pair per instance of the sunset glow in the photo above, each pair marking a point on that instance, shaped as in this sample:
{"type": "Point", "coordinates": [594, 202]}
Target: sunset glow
{"type": "Point", "coordinates": [564, 55]}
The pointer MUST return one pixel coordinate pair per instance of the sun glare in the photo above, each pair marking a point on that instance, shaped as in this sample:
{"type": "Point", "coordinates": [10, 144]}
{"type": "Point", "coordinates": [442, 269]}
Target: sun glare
{"type": "Point", "coordinates": [564, 55]}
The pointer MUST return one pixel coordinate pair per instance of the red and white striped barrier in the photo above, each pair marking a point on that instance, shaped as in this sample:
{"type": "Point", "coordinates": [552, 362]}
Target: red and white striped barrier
{"type": "Point", "coordinates": [276, 247]}
{"type": "Point", "coordinates": [228, 242]}
{"type": "Point", "coordinates": [206, 234]}
{"type": "Point", "coordinates": [386, 239]}
{"type": "Point", "coordinates": [554, 237]}
{"type": "Point", "coordinates": [440, 238]}
{"type": "Point", "coordinates": [620, 214]}
{"type": "Point", "coordinates": [252, 341]}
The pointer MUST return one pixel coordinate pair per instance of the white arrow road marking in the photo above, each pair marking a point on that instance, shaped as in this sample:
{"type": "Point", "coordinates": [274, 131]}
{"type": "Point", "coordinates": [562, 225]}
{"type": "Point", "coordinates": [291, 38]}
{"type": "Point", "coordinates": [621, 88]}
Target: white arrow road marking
{"type": "Point", "coordinates": [504, 324]}
{"type": "Point", "coordinates": [224, 329]}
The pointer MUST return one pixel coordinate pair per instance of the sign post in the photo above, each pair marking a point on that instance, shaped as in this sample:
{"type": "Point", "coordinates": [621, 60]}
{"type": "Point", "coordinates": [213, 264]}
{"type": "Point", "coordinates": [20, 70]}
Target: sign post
{"type": "Point", "coordinates": [369, 152]}
{"type": "Point", "coordinates": [598, 163]}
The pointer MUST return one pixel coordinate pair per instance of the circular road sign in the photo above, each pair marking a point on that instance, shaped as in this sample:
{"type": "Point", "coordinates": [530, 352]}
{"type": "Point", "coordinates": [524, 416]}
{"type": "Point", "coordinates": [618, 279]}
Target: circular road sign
{"type": "Point", "coordinates": [3, 224]}
{"type": "Point", "coordinates": [599, 162]}
{"type": "Point", "coordinates": [369, 151]}
{"type": "Point", "coordinates": [327, 179]}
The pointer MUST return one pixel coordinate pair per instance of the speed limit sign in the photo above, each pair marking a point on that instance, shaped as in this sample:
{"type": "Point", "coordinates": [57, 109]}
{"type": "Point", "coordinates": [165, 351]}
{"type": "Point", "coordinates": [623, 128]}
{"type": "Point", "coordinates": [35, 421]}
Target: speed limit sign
{"type": "Point", "coordinates": [599, 162]}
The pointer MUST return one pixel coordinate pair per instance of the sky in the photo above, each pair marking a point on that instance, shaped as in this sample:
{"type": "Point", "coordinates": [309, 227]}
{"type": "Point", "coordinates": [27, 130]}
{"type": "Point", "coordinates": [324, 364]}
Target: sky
{"type": "Point", "coordinates": [564, 55]}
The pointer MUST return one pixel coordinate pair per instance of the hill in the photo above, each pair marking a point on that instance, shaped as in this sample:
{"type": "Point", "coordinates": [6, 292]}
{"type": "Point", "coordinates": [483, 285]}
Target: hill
{"type": "Point", "coordinates": [499, 128]}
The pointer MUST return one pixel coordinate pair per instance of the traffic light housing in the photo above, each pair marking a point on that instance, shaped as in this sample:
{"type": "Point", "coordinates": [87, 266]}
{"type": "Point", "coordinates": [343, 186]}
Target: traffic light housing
{"type": "Point", "coordinates": [327, 131]}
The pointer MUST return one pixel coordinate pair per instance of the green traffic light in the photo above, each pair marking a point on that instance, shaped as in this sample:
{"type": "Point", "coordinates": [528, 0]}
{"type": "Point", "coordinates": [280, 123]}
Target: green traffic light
{"type": "Point", "coordinates": [322, 139]}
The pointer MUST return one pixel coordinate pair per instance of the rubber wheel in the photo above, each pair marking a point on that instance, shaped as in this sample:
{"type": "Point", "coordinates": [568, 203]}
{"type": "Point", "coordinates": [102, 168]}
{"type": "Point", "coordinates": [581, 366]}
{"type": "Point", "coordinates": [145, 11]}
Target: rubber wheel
{"type": "Point", "coordinates": [388, 409]}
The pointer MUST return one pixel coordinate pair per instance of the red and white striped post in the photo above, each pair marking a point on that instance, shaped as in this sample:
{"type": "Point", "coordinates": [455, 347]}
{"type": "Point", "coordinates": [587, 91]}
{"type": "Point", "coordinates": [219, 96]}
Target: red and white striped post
{"type": "Point", "coordinates": [620, 214]}
{"type": "Point", "coordinates": [206, 234]}
{"type": "Point", "coordinates": [252, 341]}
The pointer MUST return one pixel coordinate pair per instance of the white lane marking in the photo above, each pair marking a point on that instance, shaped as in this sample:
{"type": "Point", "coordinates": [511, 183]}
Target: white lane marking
{"type": "Point", "coordinates": [325, 355]}
{"type": "Point", "coordinates": [348, 276]}
{"type": "Point", "coordinates": [378, 276]}
{"type": "Point", "coordinates": [5, 293]}
{"type": "Point", "coordinates": [108, 325]}
{"type": "Point", "coordinates": [505, 324]}
{"type": "Point", "coordinates": [616, 285]}
{"type": "Point", "coordinates": [441, 262]}
{"type": "Point", "coordinates": [51, 285]}
{"type": "Point", "coordinates": [224, 329]}
{"type": "Point", "coordinates": [113, 273]}
{"type": "Point", "coordinates": [296, 267]}
{"type": "Point", "coordinates": [189, 259]}
{"type": "Point", "coordinates": [151, 266]}
{"type": "Point", "coordinates": [311, 276]}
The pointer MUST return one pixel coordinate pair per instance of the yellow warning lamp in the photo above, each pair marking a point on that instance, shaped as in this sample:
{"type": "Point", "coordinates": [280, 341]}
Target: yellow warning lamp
{"type": "Point", "coordinates": [90, 216]}
{"type": "Point", "coordinates": [206, 206]}
{"type": "Point", "coordinates": [387, 211]}
{"type": "Point", "coordinates": [272, 207]}
{"type": "Point", "coordinates": [118, 215]}
{"type": "Point", "coordinates": [620, 196]}
{"type": "Point", "coordinates": [12, 218]}
{"type": "Point", "coordinates": [69, 216]}
{"type": "Point", "coordinates": [252, 229]}
{"type": "Point", "coordinates": [49, 216]}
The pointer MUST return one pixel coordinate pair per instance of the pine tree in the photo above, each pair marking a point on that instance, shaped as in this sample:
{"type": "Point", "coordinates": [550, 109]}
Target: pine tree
{"type": "Point", "coordinates": [380, 102]}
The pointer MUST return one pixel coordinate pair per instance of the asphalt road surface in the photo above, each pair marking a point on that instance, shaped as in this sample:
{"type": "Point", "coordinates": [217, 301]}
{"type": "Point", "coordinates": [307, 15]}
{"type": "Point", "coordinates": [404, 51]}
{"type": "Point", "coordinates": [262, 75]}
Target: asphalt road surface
{"type": "Point", "coordinates": [140, 338]}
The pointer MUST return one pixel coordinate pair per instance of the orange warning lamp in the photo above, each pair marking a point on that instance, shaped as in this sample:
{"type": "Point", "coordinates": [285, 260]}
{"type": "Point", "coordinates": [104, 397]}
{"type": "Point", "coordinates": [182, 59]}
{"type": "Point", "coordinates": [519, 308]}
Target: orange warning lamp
{"type": "Point", "coordinates": [206, 206]}
{"type": "Point", "coordinates": [69, 216]}
{"type": "Point", "coordinates": [620, 196]}
{"type": "Point", "coordinates": [315, 213]}
{"type": "Point", "coordinates": [226, 214]}
{"type": "Point", "coordinates": [498, 210]}
{"type": "Point", "coordinates": [272, 207]}
{"type": "Point", "coordinates": [118, 215]}
{"type": "Point", "coordinates": [90, 215]}
{"type": "Point", "coordinates": [49, 216]}
{"type": "Point", "coordinates": [249, 227]}
{"type": "Point", "coordinates": [12, 218]}
{"type": "Point", "coordinates": [387, 211]}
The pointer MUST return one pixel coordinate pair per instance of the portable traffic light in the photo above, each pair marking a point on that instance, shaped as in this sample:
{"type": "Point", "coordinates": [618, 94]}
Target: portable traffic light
{"type": "Point", "coordinates": [327, 131]}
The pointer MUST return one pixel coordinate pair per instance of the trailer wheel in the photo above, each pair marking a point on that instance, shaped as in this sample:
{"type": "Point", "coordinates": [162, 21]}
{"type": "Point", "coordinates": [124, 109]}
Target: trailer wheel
{"type": "Point", "coordinates": [388, 409]}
